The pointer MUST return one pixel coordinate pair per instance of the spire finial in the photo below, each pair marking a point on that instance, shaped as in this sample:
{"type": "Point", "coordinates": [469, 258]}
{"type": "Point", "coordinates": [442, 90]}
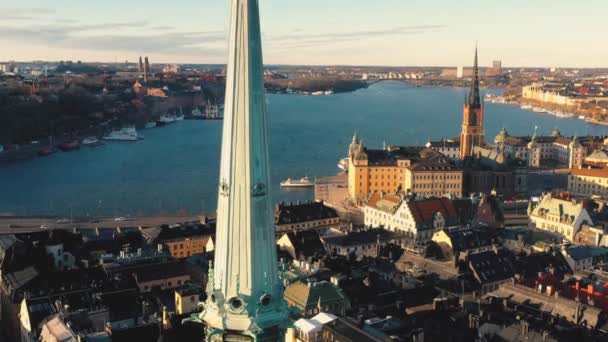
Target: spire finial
{"type": "Point", "coordinates": [474, 99]}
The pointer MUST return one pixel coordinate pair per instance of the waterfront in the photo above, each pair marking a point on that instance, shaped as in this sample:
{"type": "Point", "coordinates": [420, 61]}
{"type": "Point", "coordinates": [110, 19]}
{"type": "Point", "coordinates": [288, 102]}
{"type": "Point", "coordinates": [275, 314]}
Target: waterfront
{"type": "Point", "coordinates": [174, 170]}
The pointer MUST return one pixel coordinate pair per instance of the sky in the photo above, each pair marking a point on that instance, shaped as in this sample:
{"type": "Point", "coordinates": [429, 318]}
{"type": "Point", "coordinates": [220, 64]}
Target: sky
{"type": "Point", "coordinates": [547, 33]}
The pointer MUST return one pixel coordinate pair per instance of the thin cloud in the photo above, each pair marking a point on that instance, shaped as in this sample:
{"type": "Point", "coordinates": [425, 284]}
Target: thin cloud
{"type": "Point", "coordinates": [399, 30]}
{"type": "Point", "coordinates": [186, 43]}
{"type": "Point", "coordinates": [25, 13]}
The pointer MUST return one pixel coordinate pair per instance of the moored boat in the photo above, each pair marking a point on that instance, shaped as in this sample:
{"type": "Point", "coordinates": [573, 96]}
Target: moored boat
{"type": "Point", "coordinates": [343, 164]}
{"type": "Point", "coordinates": [91, 141]}
{"type": "Point", "coordinates": [297, 183]}
{"type": "Point", "coordinates": [124, 134]}
{"type": "Point", "coordinates": [70, 146]}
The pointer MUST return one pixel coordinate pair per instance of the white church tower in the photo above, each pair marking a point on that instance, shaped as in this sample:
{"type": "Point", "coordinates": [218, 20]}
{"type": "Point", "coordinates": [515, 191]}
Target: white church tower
{"type": "Point", "coordinates": [245, 295]}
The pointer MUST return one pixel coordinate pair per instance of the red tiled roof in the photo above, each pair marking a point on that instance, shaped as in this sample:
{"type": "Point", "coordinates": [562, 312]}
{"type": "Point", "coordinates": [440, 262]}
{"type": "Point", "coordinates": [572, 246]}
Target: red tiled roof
{"type": "Point", "coordinates": [423, 211]}
{"type": "Point", "coordinates": [377, 197]}
{"type": "Point", "coordinates": [590, 172]}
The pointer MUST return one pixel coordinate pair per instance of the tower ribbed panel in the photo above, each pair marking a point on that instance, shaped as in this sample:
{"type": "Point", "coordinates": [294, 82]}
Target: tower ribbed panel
{"type": "Point", "coordinates": [245, 294]}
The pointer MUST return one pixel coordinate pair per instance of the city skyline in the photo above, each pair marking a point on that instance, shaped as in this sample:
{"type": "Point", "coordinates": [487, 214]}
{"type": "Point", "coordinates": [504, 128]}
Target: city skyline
{"type": "Point", "coordinates": [385, 33]}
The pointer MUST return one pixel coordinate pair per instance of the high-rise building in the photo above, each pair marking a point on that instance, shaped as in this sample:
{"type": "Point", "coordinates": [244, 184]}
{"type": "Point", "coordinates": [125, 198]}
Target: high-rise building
{"type": "Point", "coordinates": [472, 119]}
{"type": "Point", "coordinates": [141, 65]}
{"type": "Point", "coordinates": [146, 69]}
{"type": "Point", "coordinates": [245, 295]}
{"type": "Point", "coordinates": [497, 65]}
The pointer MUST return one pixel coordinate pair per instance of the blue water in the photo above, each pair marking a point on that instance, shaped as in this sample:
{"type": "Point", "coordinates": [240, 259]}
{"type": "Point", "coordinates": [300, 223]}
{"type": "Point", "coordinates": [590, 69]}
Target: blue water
{"type": "Point", "coordinates": [175, 169]}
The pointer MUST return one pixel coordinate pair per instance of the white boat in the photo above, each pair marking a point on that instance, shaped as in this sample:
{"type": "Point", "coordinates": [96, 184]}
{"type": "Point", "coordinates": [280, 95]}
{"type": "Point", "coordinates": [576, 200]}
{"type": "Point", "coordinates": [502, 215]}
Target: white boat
{"type": "Point", "coordinates": [582, 117]}
{"type": "Point", "coordinates": [90, 141]}
{"type": "Point", "coordinates": [538, 110]}
{"type": "Point", "coordinates": [297, 183]}
{"type": "Point", "coordinates": [197, 112]}
{"type": "Point", "coordinates": [167, 119]}
{"type": "Point", "coordinates": [343, 164]}
{"type": "Point", "coordinates": [179, 117]}
{"type": "Point", "coordinates": [124, 134]}
{"type": "Point", "coordinates": [526, 107]}
{"type": "Point", "coordinates": [151, 124]}
{"type": "Point", "coordinates": [317, 93]}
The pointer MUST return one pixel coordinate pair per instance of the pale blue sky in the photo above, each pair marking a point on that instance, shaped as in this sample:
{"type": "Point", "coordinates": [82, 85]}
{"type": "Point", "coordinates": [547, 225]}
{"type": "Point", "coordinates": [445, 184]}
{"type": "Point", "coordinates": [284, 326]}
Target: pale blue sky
{"type": "Point", "coordinates": [355, 32]}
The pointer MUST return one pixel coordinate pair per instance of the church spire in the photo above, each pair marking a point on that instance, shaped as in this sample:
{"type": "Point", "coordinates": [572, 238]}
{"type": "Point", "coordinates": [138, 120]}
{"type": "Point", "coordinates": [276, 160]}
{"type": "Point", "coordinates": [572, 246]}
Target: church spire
{"type": "Point", "coordinates": [246, 295]}
{"type": "Point", "coordinates": [474, 99]}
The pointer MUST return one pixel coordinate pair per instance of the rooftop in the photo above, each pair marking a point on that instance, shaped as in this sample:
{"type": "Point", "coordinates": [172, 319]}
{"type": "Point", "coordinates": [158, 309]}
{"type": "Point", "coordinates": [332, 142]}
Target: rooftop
{"type": "Point", "coordinates": [303, 212]}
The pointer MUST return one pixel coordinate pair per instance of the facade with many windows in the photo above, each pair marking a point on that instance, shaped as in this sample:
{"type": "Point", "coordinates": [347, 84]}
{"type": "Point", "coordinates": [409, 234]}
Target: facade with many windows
{"type": "Point", "coordinates": [561, 216]}
{"type": "Point", "coordinates": [415, 219]}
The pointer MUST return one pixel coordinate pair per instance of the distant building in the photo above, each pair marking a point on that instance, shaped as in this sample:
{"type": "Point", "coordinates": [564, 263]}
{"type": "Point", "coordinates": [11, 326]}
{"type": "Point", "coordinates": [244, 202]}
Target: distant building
{"type": "Point", "coordinates": [171, 69]}
{"type": "Point", "coordinates": [162, 276]}
{"type": "Point", "coordinates": [460, 72]}
{"type": "Point", "coordinates": [560, 216]}
{"type": "Point", "coordinates": [588, 182]}
{"type": "Point", "coordinates": [187, 299]}
{"type": "Point", "coordinates": [491, 269]}
{"type": "Point", "coordinates": [459, 242]}
{"type": "Point", "coordinates": [146, 69]}
{"type": "Point", "coordinates": [301, 244]}
{"type": "Point", "coordinates": [400, 169]}
{"type": "Point", "coordinates": [302, 216]}
{"type": "Point", "coordinates": [541, 151]}
{"type": "Point", "coordinates": [309, 330]}
{"type": "Point", "coordinates": [448, 147]}
{"type": "Point", "coordinates": [345, 330]}
{"type": "Point", "coordinates": [578, 258]}
{"type": "Point", "coordinates": [361, 243]}
{"type": "Point", "coordinates": [434, 175]}
{"type": "Point", "coordinates": [415, 219]}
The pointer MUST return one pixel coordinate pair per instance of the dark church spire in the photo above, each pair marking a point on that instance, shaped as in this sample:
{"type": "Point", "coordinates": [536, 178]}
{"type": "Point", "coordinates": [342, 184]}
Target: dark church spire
{"type": "Point", "coordinates": [474, 99]}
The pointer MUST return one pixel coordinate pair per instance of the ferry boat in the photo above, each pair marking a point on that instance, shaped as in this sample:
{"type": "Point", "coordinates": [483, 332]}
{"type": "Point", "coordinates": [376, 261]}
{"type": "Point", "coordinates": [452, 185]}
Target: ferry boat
{"type": "Point", "coordinates": [70, 146]}
{"type": "Point", "coordinates": [297, 183]}
{"type": "Point", "coordinates": [125, 134]}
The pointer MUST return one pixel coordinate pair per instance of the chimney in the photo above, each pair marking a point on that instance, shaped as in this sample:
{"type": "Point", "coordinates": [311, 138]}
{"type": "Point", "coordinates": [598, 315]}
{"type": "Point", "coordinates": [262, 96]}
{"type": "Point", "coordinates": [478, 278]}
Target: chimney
{"type": "Point", "coordinates": [525, 328]}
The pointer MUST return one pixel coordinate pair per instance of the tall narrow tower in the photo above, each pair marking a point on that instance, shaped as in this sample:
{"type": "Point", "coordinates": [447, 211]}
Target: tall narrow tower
{"type": "Point", "coordinates": [245, 295]}
{"type": "Point", "coordinates": [472, 117]}
{"type": "Point", "coordinates": [146, 69]}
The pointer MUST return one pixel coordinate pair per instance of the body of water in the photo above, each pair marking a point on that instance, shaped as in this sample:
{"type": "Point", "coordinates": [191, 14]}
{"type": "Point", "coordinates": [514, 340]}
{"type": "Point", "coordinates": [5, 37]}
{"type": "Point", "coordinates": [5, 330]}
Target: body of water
{"type": "Point", "coordinates": [175, 168]}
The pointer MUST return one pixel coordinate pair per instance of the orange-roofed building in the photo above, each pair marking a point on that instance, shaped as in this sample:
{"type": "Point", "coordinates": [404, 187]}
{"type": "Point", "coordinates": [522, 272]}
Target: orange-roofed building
{"type": "Point", "coordinates": [417, 219]}
{"type": "Point", "coordinates": [588, 182]}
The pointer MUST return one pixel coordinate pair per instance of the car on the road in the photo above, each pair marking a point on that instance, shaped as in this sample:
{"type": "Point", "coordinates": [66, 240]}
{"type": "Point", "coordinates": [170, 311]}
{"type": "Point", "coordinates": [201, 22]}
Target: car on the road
{"type": "Point", "coordinates": [95, 221]}
{"type": "Point", "coordinates": [120, 219]}
{"type": "Point", "coordinates": [61, 221]}
{"type": "Point", "coordinates": [44, 226]}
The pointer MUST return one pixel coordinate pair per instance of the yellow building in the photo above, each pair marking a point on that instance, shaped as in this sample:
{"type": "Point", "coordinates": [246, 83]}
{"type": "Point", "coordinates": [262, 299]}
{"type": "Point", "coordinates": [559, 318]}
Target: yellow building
{"type": "Point", "coordinates": [187, 299]}
{"type": "Point", "coordinates": [400, 169]}
{"type": "Point", "coordinates": [185, 247]}
{"type": "Point", "coordinates": [434, 175]}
